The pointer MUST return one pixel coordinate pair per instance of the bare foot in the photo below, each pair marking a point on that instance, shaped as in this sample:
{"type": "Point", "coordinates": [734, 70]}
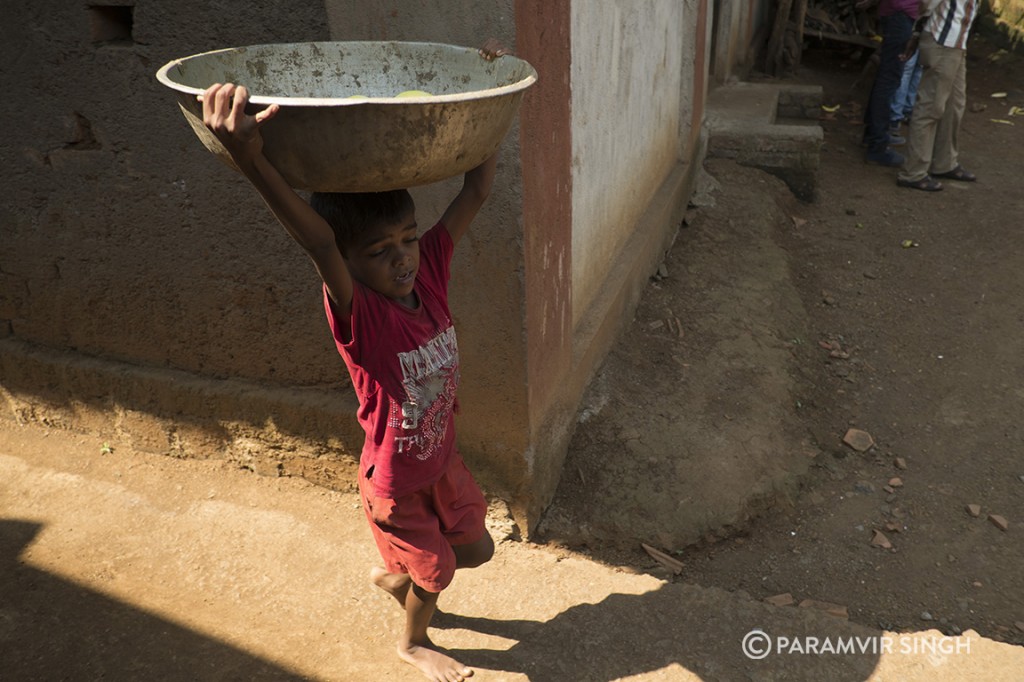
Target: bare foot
{"type": "Point", "coordinates": [432, 663]}
{"type": "Point", "coordinates": [395, 584]}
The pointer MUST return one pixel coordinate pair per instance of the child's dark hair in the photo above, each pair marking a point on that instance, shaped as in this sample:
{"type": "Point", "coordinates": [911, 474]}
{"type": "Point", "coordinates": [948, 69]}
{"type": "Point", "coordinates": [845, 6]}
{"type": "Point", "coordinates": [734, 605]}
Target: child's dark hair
{"type": "Point", "coordinates": [352, 214]}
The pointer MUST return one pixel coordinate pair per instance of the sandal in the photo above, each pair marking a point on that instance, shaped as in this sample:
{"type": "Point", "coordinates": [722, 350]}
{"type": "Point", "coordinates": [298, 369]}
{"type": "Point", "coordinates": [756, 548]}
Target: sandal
{"type": "Point", "coordinates": [925, 184]}
{"type": "Point", "coordinates": [958, 173]}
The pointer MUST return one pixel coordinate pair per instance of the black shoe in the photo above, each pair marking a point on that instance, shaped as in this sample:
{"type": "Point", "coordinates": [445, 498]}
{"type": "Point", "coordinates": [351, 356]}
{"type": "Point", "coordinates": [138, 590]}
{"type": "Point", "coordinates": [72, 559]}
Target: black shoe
{"type": "Point", "coordinates": [886, 157]}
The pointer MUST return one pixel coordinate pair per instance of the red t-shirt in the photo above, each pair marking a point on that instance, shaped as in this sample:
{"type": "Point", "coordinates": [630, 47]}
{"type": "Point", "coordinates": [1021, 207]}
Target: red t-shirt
{"type": "Point", "coordinates": [404, 366]}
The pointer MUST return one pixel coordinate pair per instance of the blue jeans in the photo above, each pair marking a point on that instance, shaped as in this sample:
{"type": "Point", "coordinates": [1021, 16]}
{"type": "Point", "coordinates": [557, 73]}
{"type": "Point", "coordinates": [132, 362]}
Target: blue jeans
{"type": "Point", "coordinates": [906, 93]}
{"type": "Point", "coordinates": [896, 30]}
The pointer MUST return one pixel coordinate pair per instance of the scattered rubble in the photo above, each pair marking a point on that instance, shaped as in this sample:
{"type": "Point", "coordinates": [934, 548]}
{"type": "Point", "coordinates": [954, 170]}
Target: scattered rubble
{"type": "Point", "coordinates": [879, 540]}
{"type": "Point", "coordinates": [784, 599]}
{"type": "Point", "coordinates": [999, 522]}
{"type": "Point", "coordinates": [831, 609]}
{"type": "Point", "coordinates": [665, 560]}
{"type": "Point", "coordinates": [860, 441]}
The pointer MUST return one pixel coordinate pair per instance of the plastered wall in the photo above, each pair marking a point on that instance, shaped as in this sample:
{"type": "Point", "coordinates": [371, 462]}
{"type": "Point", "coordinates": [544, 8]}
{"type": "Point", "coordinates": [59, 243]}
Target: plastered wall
{"type": "Point", "coordinates": [626, 76]}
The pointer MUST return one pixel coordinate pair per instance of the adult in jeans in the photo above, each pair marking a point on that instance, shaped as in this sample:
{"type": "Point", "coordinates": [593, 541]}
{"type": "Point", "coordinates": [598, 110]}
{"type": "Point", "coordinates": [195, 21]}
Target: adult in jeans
{"type": "Point", "coordinates": [906, 94]}
{"type": "Point", "coordinates": [896, 19]}
{"type": "Point", "coordinates": [941, 33]}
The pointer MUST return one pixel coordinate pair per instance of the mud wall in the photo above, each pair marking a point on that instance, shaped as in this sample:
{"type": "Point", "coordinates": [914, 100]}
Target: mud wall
{"type": "Point", "coordinates": [124, 238]}
{"type": "Point", "coordinates": [146, 294]}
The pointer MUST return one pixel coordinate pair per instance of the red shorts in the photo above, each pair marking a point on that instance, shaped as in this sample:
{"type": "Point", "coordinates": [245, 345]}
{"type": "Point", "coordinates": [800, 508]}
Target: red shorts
{"type": "Point", "coordinates": [415, 533]}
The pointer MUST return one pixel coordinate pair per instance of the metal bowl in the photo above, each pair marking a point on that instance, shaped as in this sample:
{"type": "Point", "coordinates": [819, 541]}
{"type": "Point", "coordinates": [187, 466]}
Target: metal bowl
{"type": "Point", "coordinates": [342, 128]}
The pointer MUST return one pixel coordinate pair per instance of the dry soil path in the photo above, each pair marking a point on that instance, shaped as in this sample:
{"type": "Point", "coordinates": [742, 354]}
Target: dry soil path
{"type": "Point", "coordinates": [124, 566]}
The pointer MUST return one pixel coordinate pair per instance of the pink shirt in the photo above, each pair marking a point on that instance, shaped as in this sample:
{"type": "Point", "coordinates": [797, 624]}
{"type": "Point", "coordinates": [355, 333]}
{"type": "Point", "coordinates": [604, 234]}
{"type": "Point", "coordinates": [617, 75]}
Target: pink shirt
{"type": "Point", "coordinates": [404, 366]}
{"type": "Point", "coordinates": [887, 8]}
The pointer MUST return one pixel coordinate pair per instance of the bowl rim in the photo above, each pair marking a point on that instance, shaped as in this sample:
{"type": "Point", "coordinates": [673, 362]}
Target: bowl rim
{"type": "Point", "coordinates": [264, 100]}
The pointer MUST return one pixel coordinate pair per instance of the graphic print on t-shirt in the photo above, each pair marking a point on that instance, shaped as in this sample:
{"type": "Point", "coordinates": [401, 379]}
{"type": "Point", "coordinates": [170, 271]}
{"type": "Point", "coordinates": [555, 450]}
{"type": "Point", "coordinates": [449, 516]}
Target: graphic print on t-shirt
{"type": "Point", "coordinates": [430, 375]}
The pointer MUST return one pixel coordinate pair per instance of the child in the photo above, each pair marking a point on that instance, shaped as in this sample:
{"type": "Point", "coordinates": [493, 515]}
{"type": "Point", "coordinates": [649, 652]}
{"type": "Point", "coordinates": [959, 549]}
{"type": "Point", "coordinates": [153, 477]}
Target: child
{"type": "Point", "coordinates": [385, 294]}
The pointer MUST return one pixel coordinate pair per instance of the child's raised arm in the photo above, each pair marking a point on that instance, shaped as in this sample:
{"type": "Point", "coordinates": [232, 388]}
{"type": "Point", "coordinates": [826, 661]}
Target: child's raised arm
{"type": "Point", "coordinates": [466, 204]}
{"type": "Point", "coordinates": [477, 184]}
{"type": "Point", "coordinates": [224, 114]}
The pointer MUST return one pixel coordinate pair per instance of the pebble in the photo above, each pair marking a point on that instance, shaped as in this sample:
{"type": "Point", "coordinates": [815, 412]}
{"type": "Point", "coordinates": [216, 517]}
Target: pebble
{"type": "Point", "coordinates": [858, 440]}
{"type": "Point", "coordinates": [831, 609]}
{"type": "Point", "coordinates": [864, 487]}
{"type": "Point", "coordinates": [784, 599]}
{"type": "Point", "coordinates": [900, 463]}
{"type": "Point", "coordinates": [974, 510]}
{"type": "Point", "coordinates": [896, 482]}
{"type": "Point", "coordinates": [879, 540]}
{"type": "Point", "coordinates": [926, 616]}
{"type": "Point", "coordinates": [999, 522]}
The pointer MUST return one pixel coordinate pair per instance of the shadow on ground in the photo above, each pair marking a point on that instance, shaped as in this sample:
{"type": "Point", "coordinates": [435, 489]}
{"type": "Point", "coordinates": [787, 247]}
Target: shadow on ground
{"type": "Point", "coordinates": [674, 625]}
{"type": "Point", "coordinates": [89, 636]}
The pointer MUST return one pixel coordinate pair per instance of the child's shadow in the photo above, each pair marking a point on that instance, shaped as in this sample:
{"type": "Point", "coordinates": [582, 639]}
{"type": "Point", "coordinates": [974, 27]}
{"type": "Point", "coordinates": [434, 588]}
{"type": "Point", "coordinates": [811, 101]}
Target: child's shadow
{"type": "Point", "coordinates": [701, 630]}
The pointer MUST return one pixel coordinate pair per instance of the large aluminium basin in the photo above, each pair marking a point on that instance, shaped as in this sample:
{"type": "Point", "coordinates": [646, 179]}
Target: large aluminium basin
{"type": "Point", "coordinates": [341, 127]}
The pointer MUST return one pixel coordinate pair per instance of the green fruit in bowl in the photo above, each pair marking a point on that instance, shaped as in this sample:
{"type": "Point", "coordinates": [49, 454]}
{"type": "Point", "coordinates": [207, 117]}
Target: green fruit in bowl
{"type": "Point", "coordinates": [414, 93]}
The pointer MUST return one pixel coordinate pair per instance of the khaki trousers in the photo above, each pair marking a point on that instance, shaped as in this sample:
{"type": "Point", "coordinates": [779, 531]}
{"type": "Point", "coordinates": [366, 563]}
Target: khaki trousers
{"type": "Point", "coordinates": [941, 99]}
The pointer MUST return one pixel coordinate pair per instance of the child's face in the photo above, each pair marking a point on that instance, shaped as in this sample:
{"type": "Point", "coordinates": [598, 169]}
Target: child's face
{"type": "Point", "coordinates": [387, 258]}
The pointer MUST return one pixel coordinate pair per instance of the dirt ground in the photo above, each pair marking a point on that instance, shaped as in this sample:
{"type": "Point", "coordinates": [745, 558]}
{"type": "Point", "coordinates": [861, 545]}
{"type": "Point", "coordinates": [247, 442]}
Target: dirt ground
{"type": "Point", "coordinates": [913, 329]}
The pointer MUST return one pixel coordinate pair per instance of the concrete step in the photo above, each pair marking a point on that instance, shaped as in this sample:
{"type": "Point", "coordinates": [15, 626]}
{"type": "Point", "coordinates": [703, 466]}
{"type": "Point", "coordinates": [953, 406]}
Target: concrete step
{"type": "Point", "coordinates": [769, 126]}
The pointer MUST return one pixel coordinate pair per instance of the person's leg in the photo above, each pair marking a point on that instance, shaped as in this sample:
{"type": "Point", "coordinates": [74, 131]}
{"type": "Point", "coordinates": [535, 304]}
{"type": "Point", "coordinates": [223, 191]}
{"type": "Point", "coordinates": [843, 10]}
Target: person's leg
{"type": "Point", "coordinates": [915, 82]}
{"type": "Point", "coordinates": [415, 646]}
{"type": "Point", "coordinates": [393, 578]}
{"type": "Point", "coordinates": [946, 155]}
{"type": "Point", "coordinates": [896, 31]}
{"type": "Point", "coordinates": [932, 96]}
{"type": "Point", "coordinates": [475, 553]}
{"type": "Point", "coordinates": [419, 563]}
{"type": "Point", "coordinates": [462, 511]}
{"type": "Point", "coordinates": [395, 584]}
{"type": "Point", "coordinates": [899, 98]}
